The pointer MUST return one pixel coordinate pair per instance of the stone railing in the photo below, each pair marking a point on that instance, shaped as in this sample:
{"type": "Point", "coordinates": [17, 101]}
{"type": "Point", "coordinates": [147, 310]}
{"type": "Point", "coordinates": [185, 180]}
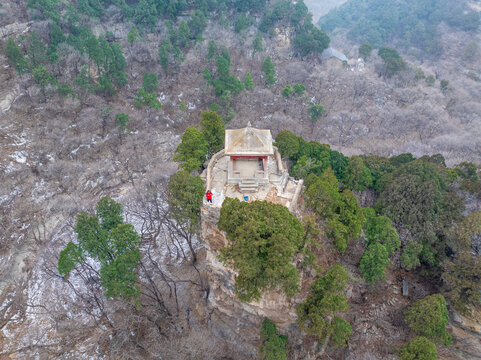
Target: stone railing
{"type": "Point", "coordinates": [211, 165]}
{"type": "Point", "coordinates": [293, 205]}
{"type": "Point", "coordinates": [280, 166]}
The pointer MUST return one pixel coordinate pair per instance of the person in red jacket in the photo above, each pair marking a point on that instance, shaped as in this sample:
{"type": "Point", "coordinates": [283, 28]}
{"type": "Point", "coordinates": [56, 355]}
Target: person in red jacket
{"type": "Point", "coordinates": [208, 195]}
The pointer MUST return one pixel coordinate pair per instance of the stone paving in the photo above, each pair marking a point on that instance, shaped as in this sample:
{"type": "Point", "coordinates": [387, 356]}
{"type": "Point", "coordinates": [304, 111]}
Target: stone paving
{"type": "Point", "coordinates": [271, 192]}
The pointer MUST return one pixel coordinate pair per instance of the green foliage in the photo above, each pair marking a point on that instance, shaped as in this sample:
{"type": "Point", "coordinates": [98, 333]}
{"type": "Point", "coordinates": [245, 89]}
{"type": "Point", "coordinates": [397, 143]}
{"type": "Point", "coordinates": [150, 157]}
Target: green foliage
{"type": "Point", "coordinates": [357, 175]}
{"type": "Point", "coordinates": [374, 262]}
{"type": "Point", "coordinates": [378, 166]}
{"type": "Point", "coordinates": [47, 7]}
{"type": "Point", "coordinates": [257, 43]}
{"type": "Point", "coordinates": [444, 85]}
{"type": "Point", "coordinates": [365, 50]}
{"type": "Point", "coordinates": [145, 98]}
{"type": "Point", "coordinates": [418, 348]}
{"type": "Point", "coordinates": [408, 24]}
{"type": "Point", "coordinates": [150, 82]}
{"type": "Point", "coordinates": [69, 258]}
{"type": "Point", "coordinates": [43, 77]}
{"type": "Point", "coordinates": [133, 35]}
{"type": "Point", "coordinates": [393, 62]}
{"type": "Point", "coordinates": [429, 317]}
{"type": "Point", "coordinates": [114, 244]}
{"type": "Point", "coordinates": [344, 215]}
{"type": "Point", "coordinates": [16, 57]}
{"type": "Point", "coordinates": [212, 50]}
{"type": "Point", "coordinates": [309, 40]}
{"type": "Point", "coordinates": [316, 112]}
{"type": "Point", "coordinates": [263, 238]}
{"type": "Point", "coordinates": [410, 256]}
{"type": "Point", "coordinates": [468, 171]}
{"type": "Point", "coordinates": [462, 272]}
{"type": "Point", "coordinates": [288, 90]}
{"type": "Point", "coordinates": [269, 71]}
{"type": "Point", "coordinates": [338, 164]}
{"type": "Point", "coordinates": [66, 90]}
{"type": "Point", "coordinates": [164, 54]}
{"type": "Point", "coordinates": [197, 23]}
{"type": "Point", "coordinates": [248, 82]}
{"type": "Point", "coordinates": [417, 195]}
{"type": "Point", "coordinates": [341, 330]}
{"type": "Point", "coordinates": [401, 159]}
{"type": "Point", "coordinates": [122, 121]}
{"type": "Point", "coordinates": [37, 51]}
{"type": "Point", "coordinates": [299, 89]}
{"type": "Point", "coordinates": [274, 346]}
{"type": "Point", "coordinates": [56, 35]}
{"type": "Point", "coordinates": [327, 298]}
{"type": "Point", "coordinates": [213, 130]}
{"type": "Point", "coordinates": [242, 22]}
{"type": "Point", "coordinates": [430, 80]}
{"type": "Point", "coordinates": [182, 106]}
{"type": "Point", "coordinates": [287, 143]}
{"type": "Point", "coordinates": [380, 229]}
{"type": "Point", "coordinates": [192, 150]}
{"type": "Point", "coordinates": [185, 200]}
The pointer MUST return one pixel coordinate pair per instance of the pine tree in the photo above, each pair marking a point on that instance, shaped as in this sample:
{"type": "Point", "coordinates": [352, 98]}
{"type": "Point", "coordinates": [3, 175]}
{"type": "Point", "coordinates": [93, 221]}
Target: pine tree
{"type": "Point", "coordinates": [16, 57]}
{"type": "Point", "coordinates": [248, 82]}
{"type": "Point", "coordinates": [269, 71]}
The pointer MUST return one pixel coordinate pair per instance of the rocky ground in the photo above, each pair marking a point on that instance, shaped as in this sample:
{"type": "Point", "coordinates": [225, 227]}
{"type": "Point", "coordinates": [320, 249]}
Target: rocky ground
{"type": "Point", "coordinates": [57, 158]}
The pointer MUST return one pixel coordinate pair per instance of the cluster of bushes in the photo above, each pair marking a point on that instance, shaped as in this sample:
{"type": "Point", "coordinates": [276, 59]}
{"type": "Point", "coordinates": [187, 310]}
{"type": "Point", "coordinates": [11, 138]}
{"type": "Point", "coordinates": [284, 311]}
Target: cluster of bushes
{"type": "Point", "coordinates": [416, 194]}
{"type": "Point", "coordinates": [406, 23]}
{"type": "Point", "coordinates": [340, 209]}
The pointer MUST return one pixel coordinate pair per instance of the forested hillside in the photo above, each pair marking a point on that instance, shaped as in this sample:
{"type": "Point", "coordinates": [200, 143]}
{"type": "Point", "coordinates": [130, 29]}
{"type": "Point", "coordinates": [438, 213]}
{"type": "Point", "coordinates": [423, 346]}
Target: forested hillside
{"type": "Point", "coordinates": [109, 111]}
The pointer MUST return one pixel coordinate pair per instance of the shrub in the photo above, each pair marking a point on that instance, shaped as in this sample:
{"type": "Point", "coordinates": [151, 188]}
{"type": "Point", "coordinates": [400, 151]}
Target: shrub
{"type": "Point", "coordinates": [428, 317]}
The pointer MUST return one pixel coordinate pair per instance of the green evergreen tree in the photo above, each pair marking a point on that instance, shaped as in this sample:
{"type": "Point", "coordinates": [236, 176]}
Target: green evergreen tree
{"type": "Point", "coordinates": [365, 50]}
{"type": "Point", "coordinates": [213, 130]}
{"type": "Point", "coordinates": [105, 238]}
{"type": "Point", "coordinates": [257, 44]}
{"type": "Point", "coordinates": [150, 82]}
{"type": "Point", "coordinates": [192, 150]}
{"type": "Point", "coordinates": [43, 77]}
{"type": "Point", "coordinates": [410, 255]}
{"type": "Point", "coordinates": [374, 262]}
{"type": "Point", "coordinates": [133, 35]}
{"type": "Point", "coordinates": [122, 121]}
{"type": "Point", "coordinates": [248, 82]}
{"type": "Point", "coordinates": [358, 176]}
{"type": "Point", "coordinates": [212, 50]}
{"type": "Point", "coordinates": [16, 57]}
{"type": "Point", "coordinates": [418, 348]}
{"type": "Point", "coordinates": [145, 98]}
{"type": "Point", "coordinates": [37, 51]}
{"type": "Point", "coordinates": [317, 314]}
{"type": "Point", "coordinates": [299, 89]}
{"type": "Point", "coordinates": [380, 229]}
{"type": "Point", "coordinates": [316, 112]}
{"type": "Point", "coordinates": [262, 240]}
{"type": "Point", "coordinates": [288, 90]}
{"type": "Point", "coordinates": [274, 346]}
{"type": "Point", "coordinates": [269, 71]}
{"type": "Point", "coordinates": [429, 317]}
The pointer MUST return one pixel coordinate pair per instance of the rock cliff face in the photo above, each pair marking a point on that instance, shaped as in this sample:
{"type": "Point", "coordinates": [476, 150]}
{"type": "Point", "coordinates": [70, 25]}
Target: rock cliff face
{"type": "Point", "coordinates": [230, 317]}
